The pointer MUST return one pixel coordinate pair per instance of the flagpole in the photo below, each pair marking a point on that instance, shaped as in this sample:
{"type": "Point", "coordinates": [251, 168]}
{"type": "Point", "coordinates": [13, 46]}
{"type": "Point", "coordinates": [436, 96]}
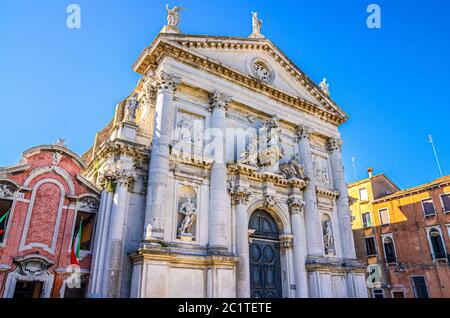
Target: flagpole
{"type": "Point", "coordinates": [430, 139]}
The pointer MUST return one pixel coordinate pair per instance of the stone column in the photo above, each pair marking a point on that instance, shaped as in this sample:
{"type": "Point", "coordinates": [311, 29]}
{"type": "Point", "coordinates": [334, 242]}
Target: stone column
{"type": "Point", "coordinates": [240, 199]}
{"type": "Point", "coordinates": [159, 159]}
{"type": "Point", "coordinates": [312, 220]}
{"type": "Point", "coordinates": [99, 251]}
{"type": "Point", "coordinates": [218, 218]}
{"type": "Point", "coordinates": [296, 207]}
{"type": "Point", "coordinates": [119, 183]}
{"type": "Point", "coordinates": [343, 210]}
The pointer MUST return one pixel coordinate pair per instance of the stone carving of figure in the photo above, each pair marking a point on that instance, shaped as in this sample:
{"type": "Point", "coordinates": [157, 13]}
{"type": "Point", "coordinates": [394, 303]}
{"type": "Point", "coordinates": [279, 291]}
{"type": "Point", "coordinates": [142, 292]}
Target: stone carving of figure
{"type": "Point", "coordinates": [325, 87]}
{"type": "Point", "coordinates": [262, 72]}
{"type": "Point", "coordinates": [293, 168]}
{"type": "Point", "coordinates": [256, 23]}
{"type": "Point", "coordinates": [6, 191]}
{"type": "Point", "coordinates": [173, 16]}
{"type": "Point", "coordinates": [188, 209]}
{"type": "Point", "coordinates": [250, 155]}
{"type": "Point", "coordinates": [320, 169]}
{"type": "Point", "coordinates": [328, 238]}
{"type": "Point", "coordinates": [131, 108]}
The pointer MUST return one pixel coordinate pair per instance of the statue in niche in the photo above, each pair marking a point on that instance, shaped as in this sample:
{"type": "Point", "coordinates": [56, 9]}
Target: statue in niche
{"type": "Point", "coordinates": [293, 168]}
{"type": "Point", "coordinates": [131, 109]}
{"type": "Point", "coordinates": [328, 238]}
{"type": "Point", "coordinates": [188, 209]}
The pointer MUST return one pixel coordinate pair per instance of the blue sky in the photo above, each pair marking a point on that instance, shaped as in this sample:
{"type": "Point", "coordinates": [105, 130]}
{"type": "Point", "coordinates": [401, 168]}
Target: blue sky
{"type": "Point", "coordinates": [393, 82]}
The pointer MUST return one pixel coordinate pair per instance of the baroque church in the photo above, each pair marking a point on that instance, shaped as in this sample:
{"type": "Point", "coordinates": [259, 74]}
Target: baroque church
{"type": "Point", "coordinates": [221, 176]}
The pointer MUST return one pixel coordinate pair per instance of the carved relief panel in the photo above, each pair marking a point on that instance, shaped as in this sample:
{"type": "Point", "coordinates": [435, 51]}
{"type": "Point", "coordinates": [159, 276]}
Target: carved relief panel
{"type": "Point", "coordinates": [321, 170]}
{"type": "Point", "coordinates": [188, 136]}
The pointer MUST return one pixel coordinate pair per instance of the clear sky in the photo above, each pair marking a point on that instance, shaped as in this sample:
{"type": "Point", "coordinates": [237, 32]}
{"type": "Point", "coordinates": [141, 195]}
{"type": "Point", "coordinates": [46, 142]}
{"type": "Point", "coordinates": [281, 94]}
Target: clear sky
{"type": "Point", "coordinates": [393, 82]}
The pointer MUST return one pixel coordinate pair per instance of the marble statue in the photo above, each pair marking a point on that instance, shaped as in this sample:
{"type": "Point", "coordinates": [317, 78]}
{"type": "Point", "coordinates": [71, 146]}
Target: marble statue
{"type": "Point", "coordinates": [173, 16]}
{"type": "Point", "coordinates": [131, 109]}
{"type": "Point", "coordinates": [188, 209]}
{"type": "Point", "coordinates": [325, 87]}
{"type": "Point", "coordinates": [293, 168]}
{"type": "Point", "coordinates": [256, 23]}
{"type": "Point", "coordinates": [328, 238]}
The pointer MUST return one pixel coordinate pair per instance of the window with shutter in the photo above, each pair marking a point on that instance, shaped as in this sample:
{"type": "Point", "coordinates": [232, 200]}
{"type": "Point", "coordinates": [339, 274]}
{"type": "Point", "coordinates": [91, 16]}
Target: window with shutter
{"type": "Point", "coordinates": [389, 250]}
{"type": "Point", "coordinates": [384, 216]}
{"type": "Point", "coordinates": [370, 246]}
{"type": "Point", "coordinates": [446, 202]}
{"type": "Point", "coordinates": [420, 287]}
{"type": "Point", "coordinates": [437, 245]}
{"type": "Point", "coordinates": [428, 207]}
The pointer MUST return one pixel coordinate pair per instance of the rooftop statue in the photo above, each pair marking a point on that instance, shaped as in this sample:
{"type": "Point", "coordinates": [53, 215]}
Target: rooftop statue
{"type": "Point", "coordinates": [256, 26]}
{"type": "Point", "coordinates": [173, 19]}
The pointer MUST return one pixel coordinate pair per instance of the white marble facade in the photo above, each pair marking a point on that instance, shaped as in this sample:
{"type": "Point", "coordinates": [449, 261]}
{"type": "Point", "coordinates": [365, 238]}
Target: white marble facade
{"type": "Point", "coordinates": [228, 126]}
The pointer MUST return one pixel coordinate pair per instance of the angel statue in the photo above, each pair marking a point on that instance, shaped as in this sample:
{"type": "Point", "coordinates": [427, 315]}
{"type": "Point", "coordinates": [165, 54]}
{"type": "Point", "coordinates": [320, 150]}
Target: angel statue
{"type": "Point", "coordinates": [188, 210]}
{"type": "Point", "coordinates": [173, 16]}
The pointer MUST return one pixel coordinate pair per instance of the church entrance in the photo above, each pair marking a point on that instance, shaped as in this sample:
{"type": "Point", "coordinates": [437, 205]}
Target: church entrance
{"type": "Point", "coordinates": [265, 272]}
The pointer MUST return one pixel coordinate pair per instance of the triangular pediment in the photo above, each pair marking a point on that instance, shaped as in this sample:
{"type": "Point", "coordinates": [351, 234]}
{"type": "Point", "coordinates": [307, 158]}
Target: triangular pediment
{"type": "Point", "coordinates": [240, 55]}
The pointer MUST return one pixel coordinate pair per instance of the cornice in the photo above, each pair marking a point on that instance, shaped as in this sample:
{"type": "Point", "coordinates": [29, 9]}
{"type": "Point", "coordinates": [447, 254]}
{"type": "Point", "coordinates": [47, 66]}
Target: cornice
{"type": "Point", "coordinates": [253, 174]}
{"type": "Point", "coordinates": [330, 112]}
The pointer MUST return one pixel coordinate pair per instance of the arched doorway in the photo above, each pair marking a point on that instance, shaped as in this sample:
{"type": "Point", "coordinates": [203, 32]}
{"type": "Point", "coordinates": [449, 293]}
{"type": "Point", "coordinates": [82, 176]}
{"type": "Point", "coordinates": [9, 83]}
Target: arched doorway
{"type": "Point", "coordinates": [265, 272]}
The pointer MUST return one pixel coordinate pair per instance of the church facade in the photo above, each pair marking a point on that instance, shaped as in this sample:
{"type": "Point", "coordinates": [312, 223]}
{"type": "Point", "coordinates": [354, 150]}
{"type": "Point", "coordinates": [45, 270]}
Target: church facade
{"type": "Point", "coordinates": [219, 176]}
{"type": "Point", "coordinates": [222, 177]}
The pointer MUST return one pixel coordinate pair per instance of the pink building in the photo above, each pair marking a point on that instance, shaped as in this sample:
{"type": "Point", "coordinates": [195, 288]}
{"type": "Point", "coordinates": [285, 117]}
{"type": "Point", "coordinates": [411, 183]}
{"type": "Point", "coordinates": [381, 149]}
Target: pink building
{"type": "Point", "coordinates": [43, 199]}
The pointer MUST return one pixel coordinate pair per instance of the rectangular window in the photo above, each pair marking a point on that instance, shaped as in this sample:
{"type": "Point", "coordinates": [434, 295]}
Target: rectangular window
{"type": "Point", "coordinates": [87, 229]}
{"type": "Point", "coordinates": [377, 293]}
{"type": "Point", "coordinates": [389, 250]}
{"type": "Point", "coordinates": [428, 207]}
{"type": "Point", "coordinates": [446, 202]}
{"type": "Point", "coordinates": [363, 195]}
{"type": "Point", "coordinates": [420, 287]}
{"type": "Point", "coordinates": [398, 294]}
{"type": "Point", "coordinates": [5, 213]}
{"type": "Point", "coordinates": [367, 220]}
{"type": "Point", "coordinates": [371, 249]}
{"type": "Point", "coordinates": [384, 216]}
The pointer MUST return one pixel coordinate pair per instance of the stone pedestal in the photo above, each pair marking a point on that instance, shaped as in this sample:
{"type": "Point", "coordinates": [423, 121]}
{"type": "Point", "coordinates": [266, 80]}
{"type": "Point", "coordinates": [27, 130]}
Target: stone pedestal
{"type": "Point", "coordinates": [169, 272]}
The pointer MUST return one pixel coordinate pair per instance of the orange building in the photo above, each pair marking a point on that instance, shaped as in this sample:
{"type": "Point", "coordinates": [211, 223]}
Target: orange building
{"type": "Point", "coordinates": [406, 232]}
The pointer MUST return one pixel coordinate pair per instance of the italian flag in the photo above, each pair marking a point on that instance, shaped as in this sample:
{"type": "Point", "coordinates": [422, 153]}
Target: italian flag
{"type": "Point", "coordinates": [2, 219]}
{"type": "Point", "coordinates": [75, 255]}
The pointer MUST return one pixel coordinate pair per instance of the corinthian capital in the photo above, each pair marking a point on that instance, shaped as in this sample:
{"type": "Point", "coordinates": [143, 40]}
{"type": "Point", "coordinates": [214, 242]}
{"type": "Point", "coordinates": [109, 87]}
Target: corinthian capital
{"type": "Point", "coordinates": [167, 83]}
{"type": "Point", "coordinates": [219, 101]}
{"type": "Point", "coordinates": [334, 144]}
{"type": "Point", "coordinates": [239, 194]}
{"type": "Point", "coordinates": [303, 132]}
{"type": "Point", "coordinates": [114, 174]}
{"type": "Point", "coordinates": [295, 205]}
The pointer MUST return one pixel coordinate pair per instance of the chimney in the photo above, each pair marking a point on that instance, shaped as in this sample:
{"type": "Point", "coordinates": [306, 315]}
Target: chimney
{"type": "Point", "coordinates": [370, 171]}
